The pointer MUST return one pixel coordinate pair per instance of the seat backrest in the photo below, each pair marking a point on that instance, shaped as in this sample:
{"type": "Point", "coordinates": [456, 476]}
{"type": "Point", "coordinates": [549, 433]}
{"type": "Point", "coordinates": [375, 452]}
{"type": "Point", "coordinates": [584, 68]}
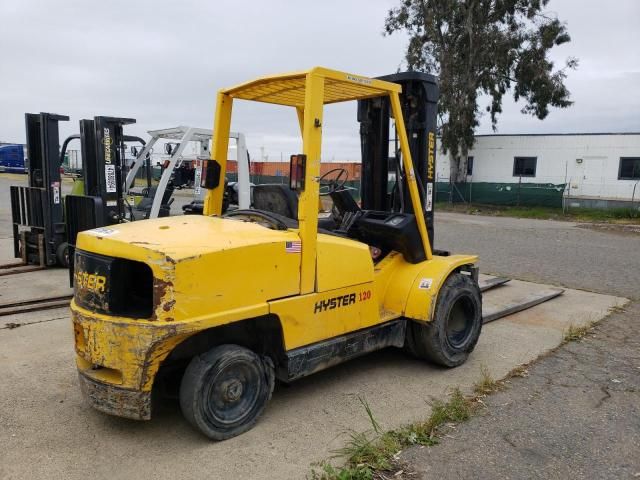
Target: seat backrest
{"type": "Point", "coordinates": [344, 202]}
{"type": "Point", "coordinates": [276, 198]}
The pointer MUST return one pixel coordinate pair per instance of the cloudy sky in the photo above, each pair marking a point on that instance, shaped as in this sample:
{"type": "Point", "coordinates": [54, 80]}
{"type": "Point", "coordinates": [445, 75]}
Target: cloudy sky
{"type": "Point", "coordinates": [161, 62]}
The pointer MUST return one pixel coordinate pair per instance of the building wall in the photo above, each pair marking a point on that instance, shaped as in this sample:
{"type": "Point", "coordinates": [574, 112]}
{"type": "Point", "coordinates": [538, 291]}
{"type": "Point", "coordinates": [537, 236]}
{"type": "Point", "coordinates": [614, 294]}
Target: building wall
{"type": "Point", "coordinates": [281, 169]}
{"type": "Point", "coordinates": [587, 163]}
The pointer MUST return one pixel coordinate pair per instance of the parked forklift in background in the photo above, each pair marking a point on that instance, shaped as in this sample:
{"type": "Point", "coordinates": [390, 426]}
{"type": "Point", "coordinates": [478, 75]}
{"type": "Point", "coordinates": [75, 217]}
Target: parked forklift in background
{"type": "Point", "coordinates": [298, 294]}
{"type": "Point", "coordinates": [40, 225]}
{"type": "Point", "coordinates": [37, 210]}
{"type": "Point", "coordinates": [237, 192]}
{"type": "Point", "coordinates": [104, 192]}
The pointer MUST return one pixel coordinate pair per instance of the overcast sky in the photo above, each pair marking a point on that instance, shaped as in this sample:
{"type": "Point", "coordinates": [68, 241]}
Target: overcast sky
{"type": "Point", "coordinates": [162, 62]}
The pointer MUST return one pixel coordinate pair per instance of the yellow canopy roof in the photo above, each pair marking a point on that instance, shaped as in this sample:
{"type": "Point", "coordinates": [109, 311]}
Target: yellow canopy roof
{"type": "Point", "coordinates": [289, 88]}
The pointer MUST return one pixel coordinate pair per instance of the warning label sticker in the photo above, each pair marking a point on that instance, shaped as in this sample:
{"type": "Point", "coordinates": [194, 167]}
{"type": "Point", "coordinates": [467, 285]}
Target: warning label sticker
{"type": "Point", "coordinates": [197, 178]}
{"type": "Point", "coordinates": [102, 231]}
{"type": "Point", "coordinates": [56, 192]}
{"type": "Point", "coordinates": [110, 178]}
{"type": "Point", "coordinates": [429, 200]}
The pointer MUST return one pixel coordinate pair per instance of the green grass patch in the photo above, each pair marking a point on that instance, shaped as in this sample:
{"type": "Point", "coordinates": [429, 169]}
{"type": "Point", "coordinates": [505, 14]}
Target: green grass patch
{"type": "Point", "coordinates": [614, 215]}
{"type": "Point", "coordinates": [374, 454]}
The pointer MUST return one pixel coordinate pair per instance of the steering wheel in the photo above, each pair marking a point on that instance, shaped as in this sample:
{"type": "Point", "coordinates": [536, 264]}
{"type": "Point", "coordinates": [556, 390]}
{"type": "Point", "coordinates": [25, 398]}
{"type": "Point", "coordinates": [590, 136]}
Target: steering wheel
{"type": "Point", "coordinates": [330, 185]}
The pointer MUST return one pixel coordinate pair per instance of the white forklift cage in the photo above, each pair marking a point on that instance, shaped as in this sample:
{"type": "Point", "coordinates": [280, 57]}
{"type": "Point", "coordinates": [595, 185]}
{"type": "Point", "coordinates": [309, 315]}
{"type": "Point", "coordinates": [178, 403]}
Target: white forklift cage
{"type": "Point", "coordinates": [184, 135]}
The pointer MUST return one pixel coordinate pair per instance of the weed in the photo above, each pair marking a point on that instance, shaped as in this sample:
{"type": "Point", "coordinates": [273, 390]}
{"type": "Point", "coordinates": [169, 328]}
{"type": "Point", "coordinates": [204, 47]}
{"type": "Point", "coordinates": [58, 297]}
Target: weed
{"type": "Point", "coordinates": [457, 409]}
{"type": "Point", "coordinates": [369, 454]}
{"type": "Point", "coordinates": [367, 408]}
{"type": "Point", "coordinates": [617, 309]}
{"type": "Point", "coordinates": [374, 452]}
{"type": "Point", "coordinates": [329, 472]}
{"type": "Point", "coordinates": [574, 333]}
{"type": "Point", "coordinates": [520, 371]}
{"type": "Point", "coordinates": [486, 384]}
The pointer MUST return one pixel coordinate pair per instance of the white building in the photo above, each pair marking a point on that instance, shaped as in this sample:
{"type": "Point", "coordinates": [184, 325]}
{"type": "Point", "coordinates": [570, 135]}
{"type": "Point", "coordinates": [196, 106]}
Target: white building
{"type": "Point", "coordinates": [600, 170]}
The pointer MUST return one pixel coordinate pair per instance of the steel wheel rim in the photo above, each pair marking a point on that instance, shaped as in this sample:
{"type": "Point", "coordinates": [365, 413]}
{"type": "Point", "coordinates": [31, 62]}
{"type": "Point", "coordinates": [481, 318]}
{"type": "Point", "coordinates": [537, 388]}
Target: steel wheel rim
{"type": "Point", "coordinates": [233, 393]}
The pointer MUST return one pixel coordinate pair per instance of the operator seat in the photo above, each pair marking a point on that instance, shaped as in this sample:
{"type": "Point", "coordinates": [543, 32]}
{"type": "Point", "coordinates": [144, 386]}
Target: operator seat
{"type": "Point", "coordinates": [143, 209]}
{"type": "Point", "coordinates": [276, 198]}
{"type": "Point", "coordinates": [280, 199]}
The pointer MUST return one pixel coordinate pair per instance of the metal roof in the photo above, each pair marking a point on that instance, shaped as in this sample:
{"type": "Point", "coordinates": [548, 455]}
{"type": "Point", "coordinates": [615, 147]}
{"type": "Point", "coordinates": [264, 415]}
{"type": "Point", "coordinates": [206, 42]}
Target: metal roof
{"type": "Point", "coordinates": [290, 88]}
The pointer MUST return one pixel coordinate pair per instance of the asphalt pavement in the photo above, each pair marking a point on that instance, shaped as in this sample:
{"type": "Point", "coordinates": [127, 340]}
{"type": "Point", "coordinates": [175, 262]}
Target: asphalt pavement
{"type": "Point", "coordinates": [577, 413]}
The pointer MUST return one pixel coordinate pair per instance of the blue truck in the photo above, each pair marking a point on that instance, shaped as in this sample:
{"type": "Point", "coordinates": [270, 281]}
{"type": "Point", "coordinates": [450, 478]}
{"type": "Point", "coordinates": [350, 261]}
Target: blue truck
{"type": "Point", "coordinates": [12, 159]}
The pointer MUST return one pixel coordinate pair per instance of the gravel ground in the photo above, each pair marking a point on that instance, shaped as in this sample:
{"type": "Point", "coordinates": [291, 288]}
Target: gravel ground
{"type": "Point", "coordinates": [577, 413]}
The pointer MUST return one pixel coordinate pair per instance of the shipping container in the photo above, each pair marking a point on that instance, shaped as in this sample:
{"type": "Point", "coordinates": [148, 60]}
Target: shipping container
{"type": "Point", "coordinates": [12, 159]}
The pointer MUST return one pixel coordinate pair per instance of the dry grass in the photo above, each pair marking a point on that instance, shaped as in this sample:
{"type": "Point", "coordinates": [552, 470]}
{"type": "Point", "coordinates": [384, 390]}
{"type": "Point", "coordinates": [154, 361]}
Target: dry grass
{"type": "Point", "coordinates": [487, 384]}
{"type": "Point", "coordinates": [520, 371]}
{"type": "Point", "coordinates": [574, 333]}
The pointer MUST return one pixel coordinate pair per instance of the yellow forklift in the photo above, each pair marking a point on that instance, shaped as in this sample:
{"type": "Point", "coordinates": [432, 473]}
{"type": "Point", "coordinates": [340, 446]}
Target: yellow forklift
{"type": "Point", "coordinates": [299, 293]}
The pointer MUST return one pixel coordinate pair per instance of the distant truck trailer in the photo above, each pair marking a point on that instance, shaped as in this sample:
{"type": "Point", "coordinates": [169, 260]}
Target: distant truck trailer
{"type": "Point", "coordinates": [12, 158]}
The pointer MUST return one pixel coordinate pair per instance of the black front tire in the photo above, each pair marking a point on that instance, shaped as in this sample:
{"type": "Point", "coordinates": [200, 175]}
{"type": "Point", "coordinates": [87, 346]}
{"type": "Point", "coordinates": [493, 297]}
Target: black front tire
{"type": "Point", "coordinates": [453, 333]}
{"type": "Point", "coordinates": [225, 390]}
{"type": "Point", "coordinates": [62, 255]}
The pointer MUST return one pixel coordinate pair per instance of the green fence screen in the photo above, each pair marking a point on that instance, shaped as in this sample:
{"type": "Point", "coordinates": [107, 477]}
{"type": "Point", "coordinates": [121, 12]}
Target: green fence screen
{"type": "Point", "coordinates": [513, 194]}
{"type": "Point", "coordinates": [525, 194]}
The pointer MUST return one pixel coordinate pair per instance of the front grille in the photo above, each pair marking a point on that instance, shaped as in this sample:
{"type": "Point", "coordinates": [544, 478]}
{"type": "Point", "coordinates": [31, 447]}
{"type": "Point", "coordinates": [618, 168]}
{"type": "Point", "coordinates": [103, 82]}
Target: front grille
{"type": "Point", "coordinates": [113, 286]}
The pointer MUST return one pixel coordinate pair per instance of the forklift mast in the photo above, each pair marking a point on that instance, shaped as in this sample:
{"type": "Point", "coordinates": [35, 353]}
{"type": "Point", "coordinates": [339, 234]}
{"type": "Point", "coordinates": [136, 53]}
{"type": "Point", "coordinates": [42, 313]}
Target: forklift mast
{"type": "Point", "coordinates": [37, 210]}
{"type": "Point", "coordinates": [419, 102]}
{"type": "Point", "coordinates": [102, 142]}
{"type": "Point", "coordinates": [42, 229]}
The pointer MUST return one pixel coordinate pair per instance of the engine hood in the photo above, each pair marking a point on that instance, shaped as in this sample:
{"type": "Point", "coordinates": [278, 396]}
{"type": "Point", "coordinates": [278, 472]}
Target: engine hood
{"type": "Point", "coordinates": [178, 238]}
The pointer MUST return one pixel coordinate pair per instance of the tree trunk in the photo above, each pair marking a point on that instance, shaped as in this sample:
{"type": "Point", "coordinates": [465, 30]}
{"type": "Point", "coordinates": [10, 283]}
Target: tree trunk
{"type": "Point", "coordinates": [453, 168]}
{"type": "Point", "coordinates": [462, 165]}
{"type": "Point", "coordinates": [458, 170]}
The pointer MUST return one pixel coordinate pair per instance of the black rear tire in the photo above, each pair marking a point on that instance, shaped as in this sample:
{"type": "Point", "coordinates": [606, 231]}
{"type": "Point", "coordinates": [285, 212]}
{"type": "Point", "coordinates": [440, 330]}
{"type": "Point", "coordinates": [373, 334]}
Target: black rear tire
{"type": "Point", "coordinates": [225, 390]}
{"type": "Point", "coordinates": [453, 333]}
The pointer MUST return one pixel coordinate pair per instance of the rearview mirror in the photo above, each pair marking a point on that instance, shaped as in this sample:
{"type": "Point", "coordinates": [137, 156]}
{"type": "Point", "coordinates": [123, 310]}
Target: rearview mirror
{"type": "Point", "coordinates": [210, 174]}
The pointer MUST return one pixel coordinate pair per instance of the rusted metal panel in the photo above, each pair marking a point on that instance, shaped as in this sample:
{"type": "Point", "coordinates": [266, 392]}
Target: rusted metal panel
{"type": "Point", "coordinates": [109, 399]}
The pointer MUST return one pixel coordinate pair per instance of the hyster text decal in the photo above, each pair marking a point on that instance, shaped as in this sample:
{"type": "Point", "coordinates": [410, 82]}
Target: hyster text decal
{"type": "Point", "coordinates": [90, 281]}
{"type": "Point", "coordinates": [431, 156]}
{"type": "Point", "coordinates": [335, 302]}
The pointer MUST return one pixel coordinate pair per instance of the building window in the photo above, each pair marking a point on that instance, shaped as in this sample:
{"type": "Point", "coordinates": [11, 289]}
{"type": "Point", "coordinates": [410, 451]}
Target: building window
{"type": "Point", "coordinates": [469, 165]}
{"type": "Point", "coordinates": [524, 166]}
{"type": "Point", "coordinates": [629, 168]}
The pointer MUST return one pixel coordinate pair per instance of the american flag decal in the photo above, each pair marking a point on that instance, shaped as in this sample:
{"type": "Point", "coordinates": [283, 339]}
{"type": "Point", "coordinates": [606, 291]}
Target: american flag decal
{"type": "Point", "coordinates": [293, 247]}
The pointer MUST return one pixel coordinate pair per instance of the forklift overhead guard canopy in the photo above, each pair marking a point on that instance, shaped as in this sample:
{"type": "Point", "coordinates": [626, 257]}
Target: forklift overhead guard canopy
{"type": "Point", "coordinates": [308, 91]}
{"type": "Point", "coordinates": [290, 88]}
